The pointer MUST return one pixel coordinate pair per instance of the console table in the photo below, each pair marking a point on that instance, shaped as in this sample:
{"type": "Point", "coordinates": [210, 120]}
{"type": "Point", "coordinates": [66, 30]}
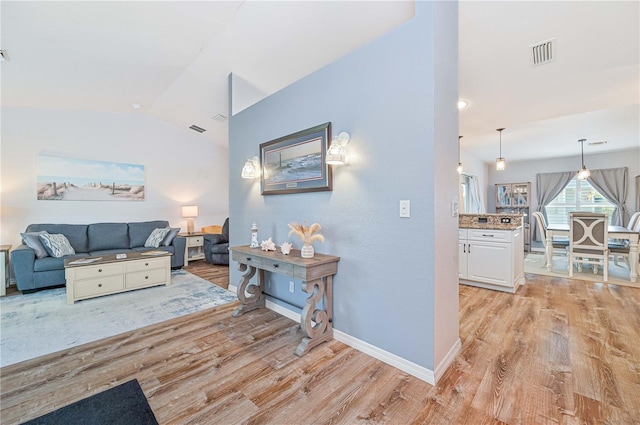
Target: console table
{"type": "Point", "coordinates": [317, 279]}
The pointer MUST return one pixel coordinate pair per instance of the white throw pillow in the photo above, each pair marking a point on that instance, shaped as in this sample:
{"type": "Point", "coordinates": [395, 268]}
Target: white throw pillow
{"type": "Point", "coordinates": [156, 237]}
{"type": "Point", "coordinates": [57, 245]}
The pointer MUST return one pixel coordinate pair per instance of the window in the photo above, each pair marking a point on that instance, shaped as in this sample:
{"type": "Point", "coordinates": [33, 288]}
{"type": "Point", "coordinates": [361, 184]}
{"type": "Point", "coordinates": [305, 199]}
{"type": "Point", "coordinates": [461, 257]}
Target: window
{"type": "Point", "coordinates": [589, 200]}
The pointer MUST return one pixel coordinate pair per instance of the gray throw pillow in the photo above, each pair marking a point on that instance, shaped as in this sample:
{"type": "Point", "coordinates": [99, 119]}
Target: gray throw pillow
{"type": "Point", "coordinates": [173, 232]}
{"type": "Point", "coordinates": [156, 237]}
{"type": "Point", "coordinates": [32, 240]}
{"type": "Point", "coordinates": [57, 245]}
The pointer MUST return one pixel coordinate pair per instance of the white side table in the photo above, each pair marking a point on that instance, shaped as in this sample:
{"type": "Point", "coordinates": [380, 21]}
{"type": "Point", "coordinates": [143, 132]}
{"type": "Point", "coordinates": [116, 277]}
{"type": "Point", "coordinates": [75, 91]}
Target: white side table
{"type": "Point", "coordinates": [194, 249]}
{"type": "Point", "coordinates": [4, 268]}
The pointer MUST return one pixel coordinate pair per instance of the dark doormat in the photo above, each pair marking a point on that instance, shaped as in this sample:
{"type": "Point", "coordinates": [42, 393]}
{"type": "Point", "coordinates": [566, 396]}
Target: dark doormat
{"type": "Point", "coordinates": [124, 404]}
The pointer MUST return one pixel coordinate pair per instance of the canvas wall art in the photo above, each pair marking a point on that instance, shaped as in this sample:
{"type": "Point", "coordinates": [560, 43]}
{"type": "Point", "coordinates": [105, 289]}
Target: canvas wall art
{"type": "Point", "coordinates": [73, 179]}
{"type": "Point", "coordinates": [297, 162]}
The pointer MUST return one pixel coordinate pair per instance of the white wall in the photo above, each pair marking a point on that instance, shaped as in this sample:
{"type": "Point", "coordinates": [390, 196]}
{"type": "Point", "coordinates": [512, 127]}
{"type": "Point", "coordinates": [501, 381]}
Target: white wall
{"type": "Point", "coordinates": [181, 167]}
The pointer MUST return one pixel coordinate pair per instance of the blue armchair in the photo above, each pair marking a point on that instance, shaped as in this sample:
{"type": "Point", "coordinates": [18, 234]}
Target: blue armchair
{"type": "Point", "coordinates": [216, 246]}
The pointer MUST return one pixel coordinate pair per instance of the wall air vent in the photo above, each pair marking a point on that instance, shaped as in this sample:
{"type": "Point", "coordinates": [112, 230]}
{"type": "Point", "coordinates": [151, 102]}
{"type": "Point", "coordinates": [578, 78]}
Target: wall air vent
{"type": "Point", "coordinates": [542, 52]}
{"type": "Point", "coordinates": [198, 129]}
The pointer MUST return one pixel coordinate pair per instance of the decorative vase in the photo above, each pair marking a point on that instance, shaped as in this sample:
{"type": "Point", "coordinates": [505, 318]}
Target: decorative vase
{"type": "Point", "coordinates": [307, 251]}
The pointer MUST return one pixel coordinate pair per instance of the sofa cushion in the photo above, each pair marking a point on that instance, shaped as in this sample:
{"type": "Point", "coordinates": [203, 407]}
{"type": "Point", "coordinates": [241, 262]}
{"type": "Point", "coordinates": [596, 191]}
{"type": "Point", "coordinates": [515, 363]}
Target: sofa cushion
{"type": "Point", "coordinates": [75, 233]}
{"type": "Point", "coordinates": [57, 245]}
{"type": "Point", "coordinates": [156, 237]}
{"type": "Point", "coordinates": [103, 236]}
{"type": "Point", "coordinates": [32, 240]}
{"type": "Point", "coordinates": [170, 236]}
{"type": "Point", "coordinates": [140, 231]}
{"type": "Point", "coordinates": [53, 263]}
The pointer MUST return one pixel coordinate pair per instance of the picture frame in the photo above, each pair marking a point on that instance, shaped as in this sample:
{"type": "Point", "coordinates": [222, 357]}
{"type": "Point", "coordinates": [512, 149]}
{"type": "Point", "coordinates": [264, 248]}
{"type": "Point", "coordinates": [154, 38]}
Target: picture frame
{"type": "Point", "coordinates": [296, 163]}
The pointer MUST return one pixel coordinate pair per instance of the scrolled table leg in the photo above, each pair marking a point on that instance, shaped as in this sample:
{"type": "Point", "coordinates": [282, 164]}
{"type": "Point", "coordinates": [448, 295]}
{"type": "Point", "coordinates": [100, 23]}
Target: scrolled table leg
{"type": "Point", "coordinates": [322, 331]}
{"type": "Point", "coordinates": [250, 295]}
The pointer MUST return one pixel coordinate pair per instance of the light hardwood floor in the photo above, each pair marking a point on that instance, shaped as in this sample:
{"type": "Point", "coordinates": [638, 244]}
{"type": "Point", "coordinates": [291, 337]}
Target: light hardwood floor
{"type": "Point", "coordinates": [556, 352]}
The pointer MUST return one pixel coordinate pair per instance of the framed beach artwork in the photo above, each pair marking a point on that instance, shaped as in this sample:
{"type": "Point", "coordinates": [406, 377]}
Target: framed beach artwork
{"type": "Point", "coordinates": [73, 179]}
{"type": "Point", "coordinates": [297, 162]}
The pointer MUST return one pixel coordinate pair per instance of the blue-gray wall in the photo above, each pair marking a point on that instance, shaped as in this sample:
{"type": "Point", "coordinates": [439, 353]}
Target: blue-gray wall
{"type": "Point", "coordinates": [385, 95]}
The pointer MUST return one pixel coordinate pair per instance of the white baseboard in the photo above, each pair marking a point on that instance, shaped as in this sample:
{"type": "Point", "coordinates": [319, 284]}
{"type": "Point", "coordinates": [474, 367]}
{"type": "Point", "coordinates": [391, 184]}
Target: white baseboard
{"type": "Point", "coordinates": [391, 359]}
{"type": "Point", "coordinates": [448, 359]}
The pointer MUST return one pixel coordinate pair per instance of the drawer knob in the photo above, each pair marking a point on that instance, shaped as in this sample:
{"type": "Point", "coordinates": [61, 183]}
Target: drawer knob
{"type": "Point", "coordinates": [146, 264]}
{"type": "Point", "coordinates": [275, 266]}
{"type": "Point", "coordinates": [99, 285]}
{"type": "Point", "coordinates": [487, 235]}
{"type": "Point", "coordinates": [146, 277]}
{"type": "Point", "coordinates": [99, 270]}
{"type": "Point", "coordinates": [248, 258]}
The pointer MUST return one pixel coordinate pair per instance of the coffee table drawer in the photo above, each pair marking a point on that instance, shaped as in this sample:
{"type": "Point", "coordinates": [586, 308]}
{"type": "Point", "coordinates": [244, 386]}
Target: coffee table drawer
{"type": "Point", "coordinates": [98, 271]}
{"type": "Point", "coordinates": [146, 278]}
{"type": "Point", "coordinates": [93, 287]}
{"type": "Point", "coordinates": [152, 263]}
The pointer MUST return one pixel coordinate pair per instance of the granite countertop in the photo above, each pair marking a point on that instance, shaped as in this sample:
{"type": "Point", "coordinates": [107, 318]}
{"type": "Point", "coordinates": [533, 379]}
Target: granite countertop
{"type": "Point", "coordinates": [490, 221]}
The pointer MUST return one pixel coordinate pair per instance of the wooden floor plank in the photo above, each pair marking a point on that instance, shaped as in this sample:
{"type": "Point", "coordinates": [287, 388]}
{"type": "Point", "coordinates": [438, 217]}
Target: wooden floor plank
{"type": "Point", "coordinates": [558, 351]}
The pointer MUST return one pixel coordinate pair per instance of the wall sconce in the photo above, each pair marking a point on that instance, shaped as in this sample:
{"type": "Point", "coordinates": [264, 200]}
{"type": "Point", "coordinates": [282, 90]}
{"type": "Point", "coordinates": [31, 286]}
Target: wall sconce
{"type": "Point", "coordinates": [190, 211]}
{"type": "Point", "coordinates": [335, 154]}
{"type": "Point", "coordinates": [251, 169]}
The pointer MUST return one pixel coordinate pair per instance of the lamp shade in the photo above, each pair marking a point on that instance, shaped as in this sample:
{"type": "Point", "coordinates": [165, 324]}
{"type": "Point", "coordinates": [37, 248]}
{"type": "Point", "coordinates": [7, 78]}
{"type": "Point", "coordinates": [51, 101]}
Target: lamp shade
{"type": "Point", "coordinates": [189, 210]}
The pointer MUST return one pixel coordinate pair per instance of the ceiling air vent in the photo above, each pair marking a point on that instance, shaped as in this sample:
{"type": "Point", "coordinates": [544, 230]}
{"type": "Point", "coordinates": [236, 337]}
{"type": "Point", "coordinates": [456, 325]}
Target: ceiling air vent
{"type": "Point", "coordinates": [219, 118]}
{"type": "Point", "coordinates": [542, 52]}
{"type": "Point", "coordinates": [198, 129]}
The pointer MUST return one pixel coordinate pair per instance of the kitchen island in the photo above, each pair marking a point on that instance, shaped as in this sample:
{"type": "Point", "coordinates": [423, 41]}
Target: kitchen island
{"type": "Point", "coordinates": [491, 251]}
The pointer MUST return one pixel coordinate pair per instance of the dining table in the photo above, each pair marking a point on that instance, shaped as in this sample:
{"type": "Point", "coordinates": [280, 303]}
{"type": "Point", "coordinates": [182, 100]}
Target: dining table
{"type": "Point", "coordinates": [615, 232]}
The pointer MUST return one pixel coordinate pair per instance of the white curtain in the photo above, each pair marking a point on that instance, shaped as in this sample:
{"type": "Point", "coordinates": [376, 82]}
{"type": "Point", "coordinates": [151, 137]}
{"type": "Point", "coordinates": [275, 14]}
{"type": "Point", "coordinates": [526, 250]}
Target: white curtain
{"type": "Point", "coordinates": [477, 204]}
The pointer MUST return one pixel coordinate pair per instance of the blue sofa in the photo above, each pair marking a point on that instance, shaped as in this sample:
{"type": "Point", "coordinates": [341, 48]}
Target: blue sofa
{"type": "Point", "coordinates": [32, 273]}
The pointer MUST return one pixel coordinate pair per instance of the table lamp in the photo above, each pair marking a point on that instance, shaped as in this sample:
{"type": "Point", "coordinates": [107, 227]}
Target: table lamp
{"type": "Point", "coordinates": [190, 211]}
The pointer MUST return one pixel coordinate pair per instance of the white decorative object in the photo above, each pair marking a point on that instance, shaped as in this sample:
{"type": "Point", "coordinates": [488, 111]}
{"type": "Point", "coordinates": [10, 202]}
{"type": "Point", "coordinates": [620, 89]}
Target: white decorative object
{"type": "Point", "coordinates": [254, 236]}
{"type": "Point", "coordinates": [268, 245]}
{"type": "Point", "coordinates": [307, 251]}
{"type": "Point", "coordinates": [308, 235]}
{"type": "Point", "coordinates": [285, 248]}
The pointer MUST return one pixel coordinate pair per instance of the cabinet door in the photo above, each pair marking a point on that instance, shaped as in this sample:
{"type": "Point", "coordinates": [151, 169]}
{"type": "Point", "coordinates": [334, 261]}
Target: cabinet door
{"type": "Point", "coordinates": [520, 196]}
{"type": "Point", "coordinates": [462, 258]}
{"type": "Point", "coordinates": [503, 195]}
{"type": "Point", "coordinates": [490, 262]}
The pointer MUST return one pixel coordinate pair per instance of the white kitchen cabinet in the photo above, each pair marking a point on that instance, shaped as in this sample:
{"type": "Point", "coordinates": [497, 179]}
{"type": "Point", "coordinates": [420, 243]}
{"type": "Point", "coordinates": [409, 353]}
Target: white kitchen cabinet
{"type": "Point", "coordinates": [492, 259]}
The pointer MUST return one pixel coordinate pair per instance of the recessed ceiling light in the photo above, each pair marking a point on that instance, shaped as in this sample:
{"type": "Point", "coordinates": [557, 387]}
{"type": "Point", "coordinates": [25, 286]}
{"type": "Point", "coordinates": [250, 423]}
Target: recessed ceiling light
{"type": "Point", "coordinates": [136, 105]}
{"type": "Point", "coordinates": [462, 104]}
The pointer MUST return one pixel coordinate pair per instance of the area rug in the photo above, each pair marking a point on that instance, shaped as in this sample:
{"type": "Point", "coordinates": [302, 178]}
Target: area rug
{"type": "Point", "coordinates": [32, 325]}
{"type": "Point", "coordinates": [124, 404]}
{"type": "Point", "coordinates": [618, 274]}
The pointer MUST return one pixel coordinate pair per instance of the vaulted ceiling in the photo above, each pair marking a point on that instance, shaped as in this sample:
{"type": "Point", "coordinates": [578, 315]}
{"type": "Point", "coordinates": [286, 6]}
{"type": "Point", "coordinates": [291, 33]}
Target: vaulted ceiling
{"type": "Point", "coordinates": [173, 58]}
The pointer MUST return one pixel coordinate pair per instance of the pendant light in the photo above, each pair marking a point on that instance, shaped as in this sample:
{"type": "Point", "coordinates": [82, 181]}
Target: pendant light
{"type": "Point", "coordinates": [500, 162]}
{"type": "Point", "coordinates": [459, 163]}
{"type": "Point", "coordinates": [584, 172]}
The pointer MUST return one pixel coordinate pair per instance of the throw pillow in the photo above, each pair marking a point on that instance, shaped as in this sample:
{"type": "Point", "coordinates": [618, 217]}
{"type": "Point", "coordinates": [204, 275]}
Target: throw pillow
{"type": "Point", "coordinates": [156, 237]}
{"type": "Point", "coordinates": [57, 245]}
{"type": "Point", "coordinates": [170, 236]}
{"type": "Point", "coordinates": [32, 240]}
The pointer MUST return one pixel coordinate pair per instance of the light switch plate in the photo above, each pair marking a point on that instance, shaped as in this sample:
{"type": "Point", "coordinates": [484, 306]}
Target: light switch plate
{"type": "Point", "coordinates": [405, 208]}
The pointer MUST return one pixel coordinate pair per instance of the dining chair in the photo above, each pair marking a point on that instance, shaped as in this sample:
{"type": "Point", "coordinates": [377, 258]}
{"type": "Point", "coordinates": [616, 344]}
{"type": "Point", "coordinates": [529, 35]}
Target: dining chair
{"type": "Point", "coordinates": [619, 250]}
{"type": "Point", "coordinates": [558, 243]}
{"type": "Point", "coordinates": [588, 242]}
